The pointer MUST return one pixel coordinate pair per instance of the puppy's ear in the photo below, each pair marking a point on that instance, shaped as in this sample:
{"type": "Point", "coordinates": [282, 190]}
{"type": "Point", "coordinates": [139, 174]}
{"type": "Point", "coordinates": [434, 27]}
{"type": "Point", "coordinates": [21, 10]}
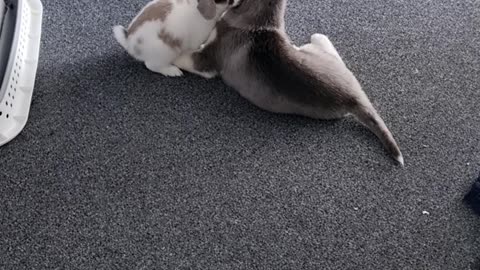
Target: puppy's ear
{"type": "Point", "coordinates": [207, 8]}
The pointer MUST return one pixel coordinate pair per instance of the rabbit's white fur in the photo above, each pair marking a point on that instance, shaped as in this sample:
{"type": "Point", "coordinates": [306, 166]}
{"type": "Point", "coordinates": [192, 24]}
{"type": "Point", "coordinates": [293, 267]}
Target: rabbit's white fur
{"type": "Point", "coordinates": [160, 41]}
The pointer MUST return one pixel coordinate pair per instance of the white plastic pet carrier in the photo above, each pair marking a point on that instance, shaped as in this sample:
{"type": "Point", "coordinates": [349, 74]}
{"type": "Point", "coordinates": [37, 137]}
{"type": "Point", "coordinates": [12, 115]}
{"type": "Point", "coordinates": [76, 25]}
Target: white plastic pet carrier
{"type": "Point", "coordinates": [20, 31]}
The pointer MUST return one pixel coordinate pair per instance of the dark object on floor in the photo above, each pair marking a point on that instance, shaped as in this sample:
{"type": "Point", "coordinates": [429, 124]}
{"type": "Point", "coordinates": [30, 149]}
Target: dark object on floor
{"type": "Point", "coordinates": [472, 198]}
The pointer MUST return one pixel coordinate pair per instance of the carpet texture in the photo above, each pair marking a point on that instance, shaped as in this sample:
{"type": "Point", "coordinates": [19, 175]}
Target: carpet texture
{"type": "Point", "coordinates": [120, 168]}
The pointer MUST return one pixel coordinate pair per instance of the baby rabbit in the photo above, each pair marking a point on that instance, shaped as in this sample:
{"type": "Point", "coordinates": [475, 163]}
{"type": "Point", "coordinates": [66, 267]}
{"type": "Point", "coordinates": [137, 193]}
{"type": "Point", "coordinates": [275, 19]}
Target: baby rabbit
{"type": "Point", "coordinates": [252, 53]}
{"type": "Point", "coordinates": [165, 28]}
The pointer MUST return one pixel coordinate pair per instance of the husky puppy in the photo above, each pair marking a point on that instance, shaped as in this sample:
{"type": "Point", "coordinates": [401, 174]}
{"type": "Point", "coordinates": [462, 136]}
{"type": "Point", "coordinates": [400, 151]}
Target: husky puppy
{"type": "Point", "coordinates": [251, 51]}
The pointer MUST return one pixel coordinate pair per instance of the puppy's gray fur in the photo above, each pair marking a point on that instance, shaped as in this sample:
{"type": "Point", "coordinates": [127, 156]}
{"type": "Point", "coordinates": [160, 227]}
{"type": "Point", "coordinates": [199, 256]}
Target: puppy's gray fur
{"type": "Point", "coordinates": [251, 51]}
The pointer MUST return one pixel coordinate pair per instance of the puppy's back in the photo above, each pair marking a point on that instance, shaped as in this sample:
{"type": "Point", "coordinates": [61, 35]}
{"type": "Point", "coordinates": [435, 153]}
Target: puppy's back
{"type": "Point", "coordinates": [316, 80]}
{"type": "Point", "coordinates": [317, 85]}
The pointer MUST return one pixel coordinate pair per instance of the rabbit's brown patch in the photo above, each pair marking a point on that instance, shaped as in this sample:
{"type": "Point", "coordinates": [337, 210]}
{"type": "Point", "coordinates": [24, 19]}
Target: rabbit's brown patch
{"type": "Point", "coordinates": [156, 11]}
{"type": "Point", "coordinates": [170, 40]}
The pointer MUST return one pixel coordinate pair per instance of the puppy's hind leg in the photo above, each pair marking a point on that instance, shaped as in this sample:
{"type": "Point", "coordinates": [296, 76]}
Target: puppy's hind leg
{"type": "Point", "coordinates": [325, 43]}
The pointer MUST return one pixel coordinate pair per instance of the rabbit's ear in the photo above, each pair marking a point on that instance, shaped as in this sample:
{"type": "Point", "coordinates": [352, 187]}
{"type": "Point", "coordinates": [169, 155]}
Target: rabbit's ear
{"type": "Point", "coordinates": [207, 8]}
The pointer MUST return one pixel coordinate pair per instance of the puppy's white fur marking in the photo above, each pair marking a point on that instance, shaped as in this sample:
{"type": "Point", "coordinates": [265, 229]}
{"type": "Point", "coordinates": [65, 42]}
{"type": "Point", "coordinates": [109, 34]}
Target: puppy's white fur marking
{"type": "Point", "coordinates": [400, 160]}
{"type": "Point", "coordinates": [324, 42]}
{"type": "Point", "coordinates": [211, 37]}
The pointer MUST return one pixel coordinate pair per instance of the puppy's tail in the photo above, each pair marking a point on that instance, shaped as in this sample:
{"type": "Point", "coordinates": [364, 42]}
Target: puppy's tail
{"type": "Point", "coordinates": [120, 34]}
{"type": "Point", "coordinates": [369, 117]}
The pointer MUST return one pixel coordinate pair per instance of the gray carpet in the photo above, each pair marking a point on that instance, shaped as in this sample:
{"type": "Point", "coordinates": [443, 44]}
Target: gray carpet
{"type": "Point", "coordinates": [119, 168]}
